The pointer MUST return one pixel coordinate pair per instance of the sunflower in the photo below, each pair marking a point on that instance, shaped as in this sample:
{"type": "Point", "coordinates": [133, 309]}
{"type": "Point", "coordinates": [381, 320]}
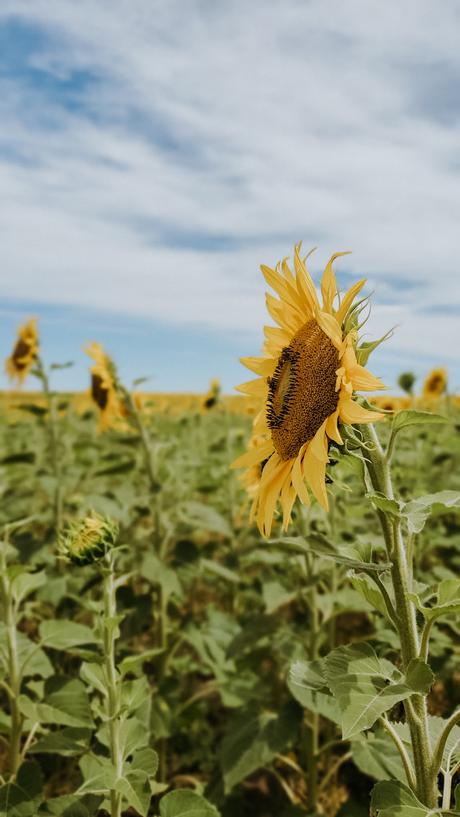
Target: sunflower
{"type": "Point", "coordinates": [435, 383]}
{"type": "Point", "coordinates": [212, 397]}
{"type": "Point", "coordinates": [104, 391]}
{"type": "Point", "coordinates": [25, 352]}
{"type": "Point", "coordinates": [88, 540]}
{"type": "Point", "coordinates": [389, 403]}
{"type": "Point", "coordinates": [307, 377]}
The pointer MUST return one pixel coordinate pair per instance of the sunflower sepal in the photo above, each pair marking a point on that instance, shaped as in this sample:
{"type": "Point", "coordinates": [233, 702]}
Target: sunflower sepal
{"type": "Point", "coordinates": [364, 351]}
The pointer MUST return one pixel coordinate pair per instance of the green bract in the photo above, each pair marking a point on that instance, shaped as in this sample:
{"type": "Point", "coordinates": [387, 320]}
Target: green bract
{"type": "Point", "coordinates": [89, 539]}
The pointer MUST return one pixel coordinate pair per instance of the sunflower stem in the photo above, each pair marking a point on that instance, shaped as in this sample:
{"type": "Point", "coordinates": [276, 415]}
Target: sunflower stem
{"type": "Point", "coordinates": [113, 691]}
{"type": "Point", "coordinates": [13, 685]}
{"type": "Point", "coordinates": [378, 468]}
{"type": "Point", "coordinates": [313, 736]}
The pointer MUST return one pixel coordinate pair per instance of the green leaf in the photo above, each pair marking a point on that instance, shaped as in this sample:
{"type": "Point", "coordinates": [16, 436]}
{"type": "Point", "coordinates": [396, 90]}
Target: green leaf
{"type": "Point", "coordinates": [99, 775]}
{"type": "Point", "coordinates": [369, 591]}
{"type": "Point", "coordinates": [200, 516]}
{"type": "Point", "coordinates": [145, 760]}
{"type": "Point", "coordinates": [66, 704]}
{"type": "Point", "coordinates": [71, 805]}
{"type": "Point", "coordinates": [27, 583]}
{"type": "Point", "coordinates": [412, 417]}
{"type": "Point", "coordinates": [66, 742]}
{"type": "Point", "coordinates": [157, 573]}
{"type": "Point", "coordinates": [32, 659]}
{"type": "Point", "coordinates": [419, 676]}
{"type": "Point", "coordinates": [254, 742]}
{"type": "Point", "coordinates": [136, 791]}
{"type": "Point", "coordinates": [364, 686]}
{"type": "Point", "coordinates": [318, 544]}
{"type": "Point", "coordinates": [306, 681]}
{"type": "Point", "coordinates": [307, 674]}
{"type": "Point", "coordinates": [275, 596]}
{"type": "Point", "coordinates": [378, 757]}
{"type": "Point", "coordinates": [418, 510]}
{"type": "Point", "coordinates": [382, 503]}
{"type": "Point", "coordinates": [93, 675]}
{"type": "Point", "coordinates": [391, 798]}
{"type": "Point", "coordinates": [61, 634]}
{"type": "Point", "coordinates": [21, 798]}
{"type": "Point", "coordinates": [185, 803]}
{"type": "Point", "coordinates": [133, 663]}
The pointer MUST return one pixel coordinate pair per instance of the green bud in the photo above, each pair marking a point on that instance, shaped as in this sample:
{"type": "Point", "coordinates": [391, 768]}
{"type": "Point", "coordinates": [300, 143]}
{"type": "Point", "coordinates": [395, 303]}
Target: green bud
{"type": "Point", "coordinates": [406, 381]}
{"type": "Point", "coordinates": [89, 539]}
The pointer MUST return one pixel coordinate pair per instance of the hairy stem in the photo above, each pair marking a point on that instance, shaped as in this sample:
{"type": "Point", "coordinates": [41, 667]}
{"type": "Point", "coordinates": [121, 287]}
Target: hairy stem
{"type": "Point", "coordinates": [313, 736]}
{"type": "Point", "coordinates": [380, 476]}
{"type": "Point", "coordinates": [53, 435]}
{"type": "Point", "coordinates": [113, 692]}
{"type": "Point", "coordinates": [13, 685]}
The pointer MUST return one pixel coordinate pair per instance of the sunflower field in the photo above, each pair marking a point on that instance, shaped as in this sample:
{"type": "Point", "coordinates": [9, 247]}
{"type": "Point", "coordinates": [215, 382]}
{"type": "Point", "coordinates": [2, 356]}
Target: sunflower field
{"type": "Point", "coordinates": [183, 638]}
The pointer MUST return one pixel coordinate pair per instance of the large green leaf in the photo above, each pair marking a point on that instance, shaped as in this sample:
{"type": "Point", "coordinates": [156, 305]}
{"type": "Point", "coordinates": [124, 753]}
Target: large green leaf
{"type": "Point", "coordinates": [253, 742]}
{"type": "Point", "coordinates": [377, 756]}
{"type": "Point", "coordinates": [390, 798]}
{"type": "Point", "coordinates": [184, 803]}
{"type": "Point", "coordinates": [61, 634]}
{"type": "Point", "coordinates": [67, 704]}
{"type": "Point", "coordinates": [21, 798]}
{"type": "Point", "coordinates": [365, 686]}
{"type": "Point", "coordinates": [65, 742]}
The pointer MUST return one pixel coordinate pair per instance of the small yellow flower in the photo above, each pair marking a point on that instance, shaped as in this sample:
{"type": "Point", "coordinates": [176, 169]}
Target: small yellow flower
{"type": "Point", "coordinates": [89, 539]}
{"type": "Point", "coordinates": [104, 391]}
{"type": "Point", "coordinates": [307, 378]}
{"type": "Point", "coordinates": [212, 397]}
{"type": "Point", "coordinates": [435, 383]}
{"type": "Point", "coordinates": [25, 352]}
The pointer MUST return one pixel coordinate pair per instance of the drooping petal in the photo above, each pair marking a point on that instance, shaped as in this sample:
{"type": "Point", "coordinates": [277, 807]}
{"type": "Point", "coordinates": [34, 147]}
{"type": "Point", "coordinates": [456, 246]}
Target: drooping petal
{"type": "Point", "coordinates": [254, 456]}
{"type": "Point", "coordinates": [332, 428]}
{"type": "Point", "coordinates": [315, 473]}
{"type": "Point", "coordinates": [288, 495]}
{"type": "Point", "coordinates": [268, 497]}
{"type": "Point", "coordinates": [318, 445]}
{"type": "Point", "coordinates": [363, 380]}
{"type": "Point", "coordinates": [351, 412]}
{"type": "Point", "coordinates": [298, 481]}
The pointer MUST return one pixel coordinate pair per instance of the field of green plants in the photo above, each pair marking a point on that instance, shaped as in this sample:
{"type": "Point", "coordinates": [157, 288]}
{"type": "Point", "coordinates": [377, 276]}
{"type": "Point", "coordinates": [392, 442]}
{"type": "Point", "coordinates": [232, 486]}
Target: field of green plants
{"type": "Point", "coordinates": [198, 669]}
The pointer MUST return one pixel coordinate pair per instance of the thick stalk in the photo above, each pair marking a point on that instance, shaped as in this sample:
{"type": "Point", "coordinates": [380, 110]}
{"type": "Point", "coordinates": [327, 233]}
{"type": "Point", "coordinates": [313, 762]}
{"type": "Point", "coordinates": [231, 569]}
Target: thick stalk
{"type": "Point", "coordinates": [14, 675]}
{"type": "Point", "coordinates": [313, 730]}
{"type": "Point", "coordinates": [416, 714]}
{"type": "Point", "coordinates": [113, 701]}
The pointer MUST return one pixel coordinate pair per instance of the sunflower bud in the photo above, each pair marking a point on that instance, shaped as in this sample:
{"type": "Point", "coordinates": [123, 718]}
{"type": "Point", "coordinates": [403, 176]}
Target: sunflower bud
{"type": "Point", "coordinates": [89, 539]}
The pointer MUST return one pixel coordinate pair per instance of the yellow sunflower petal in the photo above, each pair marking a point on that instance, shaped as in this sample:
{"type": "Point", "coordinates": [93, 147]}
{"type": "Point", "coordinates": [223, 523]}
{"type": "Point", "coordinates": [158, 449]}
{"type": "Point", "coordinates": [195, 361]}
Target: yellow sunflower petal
{"type": "Point", "coordinates": [264, 366]}
{"type": "Point", "coordinates": [255, 388]}
{"type": "Point", "coordinates": [351, 412]}
{"type": "Point", "coordinates": [328, 282]}
{"type": "Point", "coordinates": [330, 328]}
{"type": "Point", "coordinates": [363, 380]}
{"type": "Point", "coordinates": [315, 473]}
{"type": "Point", "coordinates": [298, 481]}
{"type": "Point", "coordinates": [332, 429]}
{"type": "Point", "coordinates": [305, 283]}
{"type": "Point", "coordinates": [348, 300]}
{"type": "Point", "coordinates": [254, 456]}
{"type": "Point", "coordinates": [318, 444]}
{"type": "Point", "coordinates": [288, 495]}
{"type": "Point", "coordinates": [268, 497]}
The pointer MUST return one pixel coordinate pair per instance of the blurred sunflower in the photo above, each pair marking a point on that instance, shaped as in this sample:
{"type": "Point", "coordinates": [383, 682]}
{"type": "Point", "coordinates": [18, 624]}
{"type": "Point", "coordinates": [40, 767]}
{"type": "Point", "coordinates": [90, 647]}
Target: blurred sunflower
{"type": "Point", "coordinates": [307, 377]}
{"type": "Point", "coordinates": [25, 352]}
{"type": "Point", "coordinates": [389, 403]}
{"type": "Point", "coordinates": [212, 397]}
{"type": "Point", "coordinates": [104, 391]}
{"type": "Point", "coordinates": [435, 383]}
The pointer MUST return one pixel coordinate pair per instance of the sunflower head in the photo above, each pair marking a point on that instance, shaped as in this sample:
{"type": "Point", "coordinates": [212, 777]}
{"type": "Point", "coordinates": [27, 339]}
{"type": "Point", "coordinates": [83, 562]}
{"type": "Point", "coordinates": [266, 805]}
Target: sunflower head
{"type": "Point", "coordinates": [213, 395]}
{"type": "Point", "coordinates": [435, 383]}
{"type": "Point", "coordinates": [89, 539]}
{"type": "Point", "coordinates": [104, 391]}
{"type": "Point", "coordinates": [406, 381]}
{"type": "Point", "coordinates": [24, 353]}
{"type": "Point", "coordinates": [308, 376]}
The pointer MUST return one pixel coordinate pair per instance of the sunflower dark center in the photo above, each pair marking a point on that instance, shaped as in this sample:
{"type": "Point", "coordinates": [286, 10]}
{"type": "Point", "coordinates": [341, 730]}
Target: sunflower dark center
{"type": "Point", "coordinates": [301, 393]}
{"type": "Point", "coordinates": [20, 353]}
{"type": "Point", "coordinates": [99, 392]}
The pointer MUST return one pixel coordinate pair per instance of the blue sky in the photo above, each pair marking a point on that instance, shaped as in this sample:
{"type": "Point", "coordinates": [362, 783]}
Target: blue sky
{"type": "Point", "coordinates": [153, 154]}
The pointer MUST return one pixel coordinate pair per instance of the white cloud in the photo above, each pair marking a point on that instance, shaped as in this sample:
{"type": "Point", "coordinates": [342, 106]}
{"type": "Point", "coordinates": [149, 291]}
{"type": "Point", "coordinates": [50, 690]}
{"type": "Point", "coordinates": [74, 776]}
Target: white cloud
{"type": "Point", "coordinates": [244, 126]}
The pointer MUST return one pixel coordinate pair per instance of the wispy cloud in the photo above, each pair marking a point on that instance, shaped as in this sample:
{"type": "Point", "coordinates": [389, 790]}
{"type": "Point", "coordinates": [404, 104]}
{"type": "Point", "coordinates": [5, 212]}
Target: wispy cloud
{"type": "Point", "coordinates": [153, 154]}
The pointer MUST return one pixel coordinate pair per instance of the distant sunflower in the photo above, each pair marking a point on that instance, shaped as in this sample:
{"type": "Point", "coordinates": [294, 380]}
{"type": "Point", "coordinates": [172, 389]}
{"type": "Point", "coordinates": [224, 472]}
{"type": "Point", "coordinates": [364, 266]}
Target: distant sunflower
{"type": "Point", "coordinates": [104, 387]}
{"type": "Point", "coordinates": [213, 395]}
{"type": "Point", "coordinates": [307, 377]}
{"type": "Point", "coordinates": [25, 352]}
{"type": "Point", "coordinates": [435, 383]}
